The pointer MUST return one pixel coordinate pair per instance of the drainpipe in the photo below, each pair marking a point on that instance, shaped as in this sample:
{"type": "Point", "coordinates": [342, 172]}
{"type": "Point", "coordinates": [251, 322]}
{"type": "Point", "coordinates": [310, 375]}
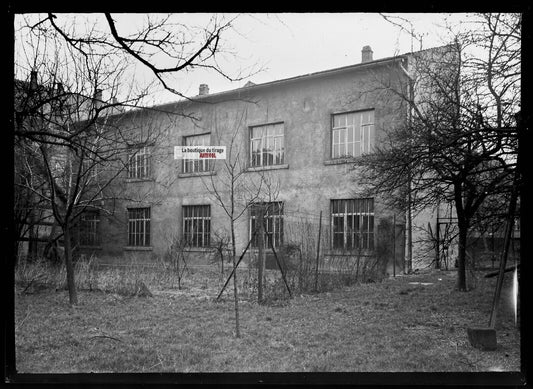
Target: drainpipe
{"type": "Point", "coordinates": [408, 267]}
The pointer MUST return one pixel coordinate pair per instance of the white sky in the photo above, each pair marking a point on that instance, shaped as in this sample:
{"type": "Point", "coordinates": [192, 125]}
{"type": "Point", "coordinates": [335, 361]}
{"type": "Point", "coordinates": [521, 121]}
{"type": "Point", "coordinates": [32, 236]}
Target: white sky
{"type": "Point", "coordinates": [292, 44]}
{"type": "Point", "coordinates": [288, 45]}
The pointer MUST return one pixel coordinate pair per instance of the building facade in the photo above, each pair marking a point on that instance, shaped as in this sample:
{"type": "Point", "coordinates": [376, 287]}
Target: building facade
{"type": "Point", "coordinates": [290, 143]}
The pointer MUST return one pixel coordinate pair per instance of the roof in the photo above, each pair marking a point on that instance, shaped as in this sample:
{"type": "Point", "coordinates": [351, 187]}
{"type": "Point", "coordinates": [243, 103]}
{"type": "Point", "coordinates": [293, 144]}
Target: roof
{"type": "Point", "coordinates": [250, 86]}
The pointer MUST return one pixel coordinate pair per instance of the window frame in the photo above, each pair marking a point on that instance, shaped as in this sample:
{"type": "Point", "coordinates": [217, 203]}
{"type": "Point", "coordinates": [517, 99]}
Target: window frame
{"type": "Point", "coordinates": [89, 229]}
{"type": "Point", "coordinates": [140, 218]}
{"type": "Point", "coordinates": [274, 220]}
{"type": "Point", "coordinates": [205, 164]}
{"type": "Point", "coordinates": [191, 217]}
{"type": "Point", "coordinates": [367, 128]}
{"type": "Point", "coordinates": [353, 214]}
{"type": "Point", "coordinates": [278, 153]}
{"type": "Point", "coordinates": [140, 158]}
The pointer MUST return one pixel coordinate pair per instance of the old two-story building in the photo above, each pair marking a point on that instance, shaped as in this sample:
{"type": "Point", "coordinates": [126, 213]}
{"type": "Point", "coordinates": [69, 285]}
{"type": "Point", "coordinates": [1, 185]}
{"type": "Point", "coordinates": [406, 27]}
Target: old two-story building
{"type": "Point", "coordinates": [290, 143]}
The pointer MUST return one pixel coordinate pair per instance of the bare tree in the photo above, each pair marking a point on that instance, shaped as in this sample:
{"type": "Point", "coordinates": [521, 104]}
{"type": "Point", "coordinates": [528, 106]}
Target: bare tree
{"type": "Point", "coordinates": [263, 210]}
{"type": "Point", "coordinates": [71, 143]}
{"type": "Point", "coordinates": [75, 144]}
{"type": "Point", "coordinates": [29, 209]}
{"type": "Point", "coordinates": [166, 45]}
{"type": "Point", "coordinates": [459, 144]}
{"type": "Point", "coordinates": [236, 190]}
{"type": "Point", "coordinates": [177, 251]}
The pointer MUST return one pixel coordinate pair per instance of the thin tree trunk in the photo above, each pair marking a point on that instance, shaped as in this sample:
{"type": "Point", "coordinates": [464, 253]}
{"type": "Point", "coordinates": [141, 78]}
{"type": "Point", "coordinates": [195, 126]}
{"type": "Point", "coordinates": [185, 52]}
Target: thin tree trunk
{"type": "Point", "coordinates": [235, 288]}
{"type": "Point", "coordinates": [32, 243]}
{"type": "Point", "coordinates": [221, 245]}
{"type": "Point", "coordinates": [179, 254]}
{"type": "Point", "coordinates": [394, 245]}
{"type": "Point", "coordinates": [437, 232]}
{"type": "Point", "coordinates": [318, 250]}
{"type": "Point", "coordinates": [462, 224]}
{"type": "Point", "coordinates": [261, 261]}
{"type": "Point", "coordinates": [71, 283]}
{"type": "Point", "coordinates": [461, 258]}
{"type": "Point", "coordinates": [408, 266]}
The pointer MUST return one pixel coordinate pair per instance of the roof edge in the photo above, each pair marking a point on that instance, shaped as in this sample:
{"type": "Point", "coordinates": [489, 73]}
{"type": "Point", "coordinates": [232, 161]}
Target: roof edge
{"type": "Point", "coordinates": [251, 88]}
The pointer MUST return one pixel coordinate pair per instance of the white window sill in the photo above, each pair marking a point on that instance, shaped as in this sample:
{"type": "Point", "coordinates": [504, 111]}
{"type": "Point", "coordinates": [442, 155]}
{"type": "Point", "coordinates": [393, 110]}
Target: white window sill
{"type": "Point", "coordinates": [255, 250]}
{"type": "Point", "coordinates": [138, 179]}
{"type": "Point", "coordinates": [197, 174]}
{"type": "Point", "coordinates": [339, 161]}
{"type": "Point", "coordinates": [200, 249]}
{"type": "Point", "coordinates": [343, 253]}
{"type": "Point", "coordinates": [138, 248]}
{"type": "Point", "coordinates": [270, 167]}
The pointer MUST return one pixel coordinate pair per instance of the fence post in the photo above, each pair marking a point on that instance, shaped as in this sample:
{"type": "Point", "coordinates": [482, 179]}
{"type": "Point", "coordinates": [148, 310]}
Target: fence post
{"type": "Point", "coordinates": [394, 245]}
{"type": "Point", "coordinates": [318, 250]}
{"type": "Point", "coordinates": [261, 259]}
{"type": "Point", "coordinates": [437, 251]}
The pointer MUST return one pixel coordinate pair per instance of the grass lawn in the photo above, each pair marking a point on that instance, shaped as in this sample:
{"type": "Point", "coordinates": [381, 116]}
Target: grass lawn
{"type": "Point", "coordinates": [392, 326]}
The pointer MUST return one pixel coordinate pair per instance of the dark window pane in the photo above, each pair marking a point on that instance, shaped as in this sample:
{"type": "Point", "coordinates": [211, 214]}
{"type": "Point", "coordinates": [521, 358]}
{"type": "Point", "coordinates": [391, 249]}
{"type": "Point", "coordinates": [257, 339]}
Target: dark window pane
{"type": "Point", "coordinates": [197, 225]}
{"type": "Point", "coordinates": [371, 205]}
{"type": "Point", "coordinates": [350, 206]}
{"type": "Point", "coordinates": [338, 240]}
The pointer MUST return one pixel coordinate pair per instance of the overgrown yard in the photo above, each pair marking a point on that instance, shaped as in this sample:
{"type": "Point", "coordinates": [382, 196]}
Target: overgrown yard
{"type": "Point", "coordinates": [409, 323]}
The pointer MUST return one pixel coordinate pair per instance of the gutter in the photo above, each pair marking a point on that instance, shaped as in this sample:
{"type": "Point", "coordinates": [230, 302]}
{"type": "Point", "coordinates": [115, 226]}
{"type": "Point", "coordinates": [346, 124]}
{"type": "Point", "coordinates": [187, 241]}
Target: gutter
{"type": "Point", "coordinates": [323, 73]}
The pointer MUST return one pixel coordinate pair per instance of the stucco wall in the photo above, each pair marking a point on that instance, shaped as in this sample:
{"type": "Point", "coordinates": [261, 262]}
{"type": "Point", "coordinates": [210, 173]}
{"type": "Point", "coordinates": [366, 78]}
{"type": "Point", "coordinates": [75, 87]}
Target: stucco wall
{"type": "Point", "coordinates": [307, 183]}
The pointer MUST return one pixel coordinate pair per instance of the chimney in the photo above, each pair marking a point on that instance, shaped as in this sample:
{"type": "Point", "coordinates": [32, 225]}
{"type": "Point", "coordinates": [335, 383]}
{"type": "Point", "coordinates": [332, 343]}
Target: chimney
{"type": "Point", "coordinates": [33, 80]}
{"type": "Point", "coordinates": [366, 54]}
{"type": "Point", "coordinates": [204, 90]}
{"type": "Point", "coordinates": [117, 106]}
{"type": "Point", "coordinates": [97, 100]}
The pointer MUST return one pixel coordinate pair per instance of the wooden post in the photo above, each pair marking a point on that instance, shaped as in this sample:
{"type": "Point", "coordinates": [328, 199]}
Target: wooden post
{"type": "Point", "coordinates": [318, 250]}
{"type": "Point", "coordinates": [437, 250]}
{"type": "Point", "coordinates": [235, 266]}
{"type": "Point", "coordinates": [71, 283]}
{"type": "Point", "coordinates": [505, 253]}
{"type": "Point", "coordinates": [394, 245]}
{"type": "Point", "coordinates": [493, 247]}
{"type": "Point", "coordinates": [408, 266]}
{"type": "Point", "coordinates": [280, 267]}
{"type": "Point", "coordinates": [262, 255]}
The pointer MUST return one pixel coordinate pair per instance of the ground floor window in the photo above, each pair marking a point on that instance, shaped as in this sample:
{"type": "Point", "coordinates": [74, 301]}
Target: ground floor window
{"type": "Point", "coordinates": [273, 221]}
{"type": "Point", "coordinates": [352, 224]}
{"type": "Point", "coordinates": [89, 223]}
{"type": "Point", "coordinates": [197, 225]}
{"type": "Point", "coordinates": [138, 227]}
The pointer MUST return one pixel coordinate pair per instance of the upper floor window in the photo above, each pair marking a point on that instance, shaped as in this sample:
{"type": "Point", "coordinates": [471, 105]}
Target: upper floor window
{"type": "Point", "coordinates": [352, 134]}
{"type": "Point", "coordinates": [352, 223]}
{"type": "Point", "coordinates": [197, 225]}
{"type": "Point", "coordinates": [139, 163]}
{"type": "Point", "coordinates": [89, 229]}
{"type": "Point", "coordinates": [267, 145]}
{"type": "Point", "coordinates": [138, 227]}
{"type": "Point", "coordinates": [89, 169]}
{"type": "Point", "coordinates": [273, 223]}
{"type": "Point", "coordinates": [197, 165]}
